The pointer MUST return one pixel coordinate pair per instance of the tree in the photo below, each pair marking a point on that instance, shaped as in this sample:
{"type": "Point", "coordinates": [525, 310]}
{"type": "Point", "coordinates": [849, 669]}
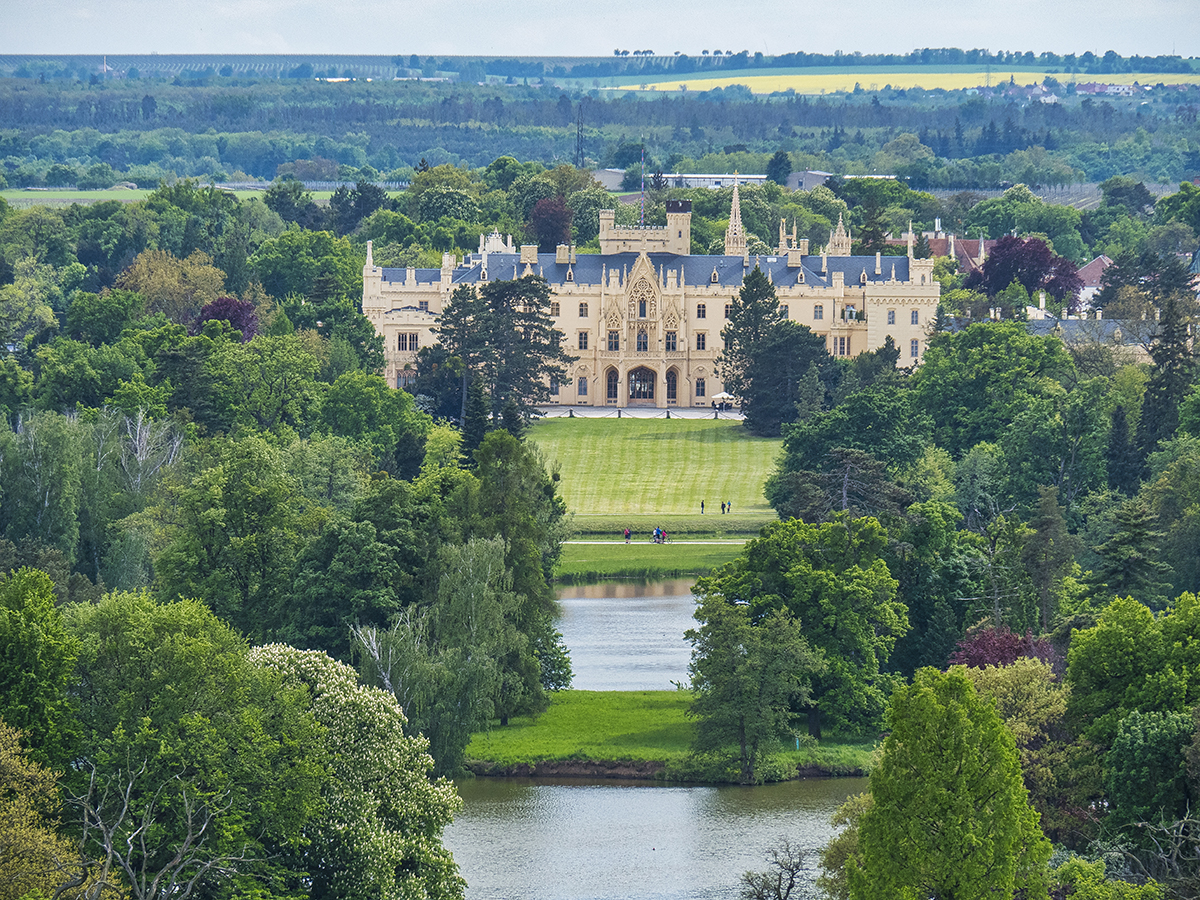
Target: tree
{"type": "Point", "coordinates": [176, 783]}
{"type": "Point", "coordinates": [550, 223]}
{"type": "Point", "coordinates": [100, 318]}
{"type": "Point", "coordinates": [747, 679]}
{"type": "Point", "coordinates": [230, 532]}
{"type": "Point", "coordinates": [766, 356]}
{"type": "Point", "coordinates": [1132, 660]}
{"type": "Point", "coordinates": [973, 383]}
{"type": "Point", "coordinates": [779, 167]}
{"type": "Point", "coordinates": [503, 333]}
{"type": "Point", "coordinates": [1049, 552]}
{"type": "Point", "coordinates": [1171, 375]}
{"type": "Point", "coordinates": [950, 818]}
{"type": "Point", "coordinates": [785, 875]}
{"type": "Point", "coordinates": [38, 659]}
{"type": "Point", "coordinates": [379, 832]}
{"type": "Point", "coordinates": [1032, 264]}
{"type": "Point", "coordinates": [176, 287]}
{"type": "Point", "coordinates": [1129, 564]}
{"type": "Point", "coordinates": [240, 314]}
{"type": "Point", "coordinates": [1147, 779]}
{"type": "Point", "coordinates": [34, 858]}
{"type": "Point", "coordinates": [831, 579]}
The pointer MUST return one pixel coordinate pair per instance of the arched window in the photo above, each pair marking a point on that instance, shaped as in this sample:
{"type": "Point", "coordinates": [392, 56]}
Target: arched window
{"type": "Point", "coordinates": [611, 381]}
{"type": "Point", "coordinates": [643, 342]}
{"type": "Point", "coordinates": [672, 385]}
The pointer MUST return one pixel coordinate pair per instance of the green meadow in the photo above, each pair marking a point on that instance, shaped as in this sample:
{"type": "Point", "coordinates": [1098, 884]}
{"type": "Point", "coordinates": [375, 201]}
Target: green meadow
{"type": "Point", "coordinates": [658, 467]}
{"type": "Point", "coordinates": [645, 473]}
{"type": "Point", "coordinates": [639, 726]}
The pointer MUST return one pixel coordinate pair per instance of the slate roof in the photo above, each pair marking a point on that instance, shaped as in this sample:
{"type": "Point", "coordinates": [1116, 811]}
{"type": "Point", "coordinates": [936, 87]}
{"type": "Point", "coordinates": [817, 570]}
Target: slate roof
{"type": "Point", "coordinates": [697, 270]}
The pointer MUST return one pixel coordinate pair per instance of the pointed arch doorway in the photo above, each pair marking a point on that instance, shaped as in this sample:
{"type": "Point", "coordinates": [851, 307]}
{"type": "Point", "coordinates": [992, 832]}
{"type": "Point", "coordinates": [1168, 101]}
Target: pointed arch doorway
{"type": "Point", "coordinates": [641, 386]}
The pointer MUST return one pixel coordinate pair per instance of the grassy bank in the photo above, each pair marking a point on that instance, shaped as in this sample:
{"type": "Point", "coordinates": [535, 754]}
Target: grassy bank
{"type": "Point", "coordinates": [657, 467]}
{"type": "Point", "coordinates": [635, 726]}
{"type": "Point", "coordinates": [685, 527]}
{"type": "Point", "coordinates": [589, 563]}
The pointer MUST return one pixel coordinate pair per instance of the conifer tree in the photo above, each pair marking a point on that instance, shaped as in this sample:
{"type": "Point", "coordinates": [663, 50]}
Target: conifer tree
{"type": "Point", "coordinates": [1121, 456]}
{"type": "Point", "coordinates": [1170, 377]}
{"type": "Point", "coordinates": [1129, 564]}
{"type": "Point", "coordinates": [475, 419]}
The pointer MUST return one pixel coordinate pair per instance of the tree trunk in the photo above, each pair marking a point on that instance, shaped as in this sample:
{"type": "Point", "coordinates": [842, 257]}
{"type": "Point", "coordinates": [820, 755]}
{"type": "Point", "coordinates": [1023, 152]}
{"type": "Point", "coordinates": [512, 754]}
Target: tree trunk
{"type": "Point", "coordinates": [814, 723]}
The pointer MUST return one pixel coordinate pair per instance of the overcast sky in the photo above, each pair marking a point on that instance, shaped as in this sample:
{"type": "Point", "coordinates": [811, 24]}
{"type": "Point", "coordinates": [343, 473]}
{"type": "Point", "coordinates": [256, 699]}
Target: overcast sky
{"type": "Point", "coordinates": [555, 27]}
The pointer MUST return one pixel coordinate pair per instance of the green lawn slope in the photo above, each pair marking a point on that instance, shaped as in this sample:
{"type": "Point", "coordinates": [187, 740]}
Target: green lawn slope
{"type": "Point", "coordinates": [658, 467]}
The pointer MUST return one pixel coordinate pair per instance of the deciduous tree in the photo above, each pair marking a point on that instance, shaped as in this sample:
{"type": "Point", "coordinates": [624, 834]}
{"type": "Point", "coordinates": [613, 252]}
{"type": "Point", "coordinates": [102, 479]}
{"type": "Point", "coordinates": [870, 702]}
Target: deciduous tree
{"type": "Point", "coordinates": [950, 817]}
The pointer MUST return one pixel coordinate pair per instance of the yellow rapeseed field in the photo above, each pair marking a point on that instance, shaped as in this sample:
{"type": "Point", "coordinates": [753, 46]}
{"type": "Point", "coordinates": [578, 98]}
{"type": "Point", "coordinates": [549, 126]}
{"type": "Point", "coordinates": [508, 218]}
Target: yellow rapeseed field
{"type": "Point", "coordinates": [876, 80]}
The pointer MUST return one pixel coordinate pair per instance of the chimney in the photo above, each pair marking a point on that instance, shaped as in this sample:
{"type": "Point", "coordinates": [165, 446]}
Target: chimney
{"type": "Point", "coordinates": [529, 253]}
{"type": "Point", "coordinates": [562, 254]}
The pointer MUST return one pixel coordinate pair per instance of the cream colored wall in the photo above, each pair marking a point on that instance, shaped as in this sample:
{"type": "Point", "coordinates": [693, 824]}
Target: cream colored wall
{"type": "Point", "coordinates": [393, 308]}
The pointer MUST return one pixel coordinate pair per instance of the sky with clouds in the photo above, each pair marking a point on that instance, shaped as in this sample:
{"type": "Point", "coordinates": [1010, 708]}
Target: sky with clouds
{"type": "Point", "coordinates": [553, 28]}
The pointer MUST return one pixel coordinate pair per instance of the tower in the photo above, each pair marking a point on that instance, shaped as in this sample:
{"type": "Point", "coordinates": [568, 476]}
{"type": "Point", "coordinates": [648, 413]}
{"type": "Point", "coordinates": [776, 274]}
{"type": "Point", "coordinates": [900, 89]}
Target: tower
{"type": "Point", "coordinates": [735, 234]}
{"type": "Point", "coordinates": [839, 240]}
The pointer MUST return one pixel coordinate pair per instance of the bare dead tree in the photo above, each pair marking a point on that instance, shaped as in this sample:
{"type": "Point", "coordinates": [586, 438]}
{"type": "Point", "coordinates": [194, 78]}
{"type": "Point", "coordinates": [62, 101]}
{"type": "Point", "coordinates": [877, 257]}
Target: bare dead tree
{"type": "Point", "coordinates": [786, 876]}
{"type": "Point", "coordinates": [147, 447]}
{"type": "Point", "coordinates": [122, 849]}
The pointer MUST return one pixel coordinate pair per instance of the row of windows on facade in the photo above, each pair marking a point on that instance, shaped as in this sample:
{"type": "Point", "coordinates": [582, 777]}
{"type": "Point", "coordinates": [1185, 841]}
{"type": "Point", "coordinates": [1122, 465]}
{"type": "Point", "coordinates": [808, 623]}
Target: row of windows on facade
{"type": "Point", "coordinates": [670, 341]}
{"type": "Point", "coordinates": [702, 312]}
{"type": "Point", "coordinates": [641, 385]}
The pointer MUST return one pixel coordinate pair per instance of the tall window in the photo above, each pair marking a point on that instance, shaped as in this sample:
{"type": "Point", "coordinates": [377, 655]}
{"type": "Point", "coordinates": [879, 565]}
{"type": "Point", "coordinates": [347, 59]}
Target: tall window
{"type": "Point", "coordinates": [701, 311]}
{"type": "Point", "coordinates": [700, 387]}
{"type": "Point", "coordinates": [672, 385]}
{"type": "Point", "coordinates": [916, 319]}
{"type": "Point", "coordinates": [818, 311]}
{"type": "Point", "coordinates": [406, 342]}
{"type": "Point", "coordinates": [553, 387]}
{"type": "Point", "coordinates": [611, 382]}
{"type": "Point", "coordinates": [783, 311]}
{"type": "Point", "coordinates": [728, 310]}
{"type": "Point", "coordinates": [700, 340]}
{"type": "Point", "coordinates": [641, 309]}
{"type": "Point", "coordinates": [672, 341]}
{"type": "Point", "coordinates": [554, 308]}
{"type": "Point", "coordinates": [583, 340]}
{"type": "Point", "coordinates": [581, 390]}
{"type": "Point", "coordinates": [643, 342]}
{"type": "Point", "coordinates": [583, 310]}
{"type": "Point", "coordinates": [891, 317]}
{"type": "Point", "coordinates": [914, 348]}
{"type": "Point", "coordinates": [614, 340]}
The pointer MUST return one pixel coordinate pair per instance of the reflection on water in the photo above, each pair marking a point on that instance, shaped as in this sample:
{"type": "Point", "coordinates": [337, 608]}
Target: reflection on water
{"type": "Point", "coordinates": [627, 637]}
{"type": "Point", "coordinates": [580, 840]}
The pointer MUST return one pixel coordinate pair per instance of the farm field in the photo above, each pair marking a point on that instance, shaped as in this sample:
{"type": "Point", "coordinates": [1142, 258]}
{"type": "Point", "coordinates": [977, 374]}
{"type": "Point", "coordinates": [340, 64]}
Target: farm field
{"type": "Point", "coordinates": [658, 467]}
{"type": "Point", "coordinates": [808, 82]}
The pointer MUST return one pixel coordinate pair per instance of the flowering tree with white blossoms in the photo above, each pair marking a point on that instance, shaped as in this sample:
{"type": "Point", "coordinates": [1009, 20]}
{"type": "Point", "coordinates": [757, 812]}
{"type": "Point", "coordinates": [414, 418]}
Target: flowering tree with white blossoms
{"type": "Point", "coordinates": [380, 835]}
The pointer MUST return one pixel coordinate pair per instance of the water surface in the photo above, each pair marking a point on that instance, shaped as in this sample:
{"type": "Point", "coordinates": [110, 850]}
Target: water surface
{"type": "Point", "coordinates": [626, 636]}
{"type": "Point", "coordinates": [584, 840]}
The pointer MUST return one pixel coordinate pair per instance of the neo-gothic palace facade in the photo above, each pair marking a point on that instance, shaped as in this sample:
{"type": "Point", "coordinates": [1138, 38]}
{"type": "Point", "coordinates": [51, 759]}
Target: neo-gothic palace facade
{"type": "Point", "coordinates": [644, 317]}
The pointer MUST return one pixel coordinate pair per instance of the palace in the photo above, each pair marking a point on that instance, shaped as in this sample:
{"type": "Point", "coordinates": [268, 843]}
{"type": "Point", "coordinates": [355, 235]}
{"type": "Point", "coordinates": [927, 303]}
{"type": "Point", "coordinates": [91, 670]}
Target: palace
{"type": "Point", "coordinates": [644, 316]}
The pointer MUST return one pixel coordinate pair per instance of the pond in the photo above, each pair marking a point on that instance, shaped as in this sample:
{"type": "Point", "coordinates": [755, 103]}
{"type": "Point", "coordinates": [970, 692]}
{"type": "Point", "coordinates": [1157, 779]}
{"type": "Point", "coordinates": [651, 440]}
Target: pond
{"type": "Point", "coordinates": [628, 637]}
{"type": "Point", "coordinates": [586, 840]}
{"type": "Point", "coordinates": [540, 839]}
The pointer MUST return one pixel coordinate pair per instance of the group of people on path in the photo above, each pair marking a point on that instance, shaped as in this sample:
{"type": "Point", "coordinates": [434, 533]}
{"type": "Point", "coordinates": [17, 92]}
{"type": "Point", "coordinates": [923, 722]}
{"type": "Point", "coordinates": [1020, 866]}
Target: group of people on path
{"type": "Point", "coordinates": [660, 535]}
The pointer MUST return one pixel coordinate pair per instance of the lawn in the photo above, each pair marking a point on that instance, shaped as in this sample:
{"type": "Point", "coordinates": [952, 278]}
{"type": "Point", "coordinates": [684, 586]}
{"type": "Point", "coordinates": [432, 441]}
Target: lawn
{"type": "Point", "coordinates": [639, 725]}
{"type": "Point", "coordinates": [586, 563]}
{"type": "Point", "coordinates": [631, 725]}
{"type": "Point", "coordinates": [658, 467]}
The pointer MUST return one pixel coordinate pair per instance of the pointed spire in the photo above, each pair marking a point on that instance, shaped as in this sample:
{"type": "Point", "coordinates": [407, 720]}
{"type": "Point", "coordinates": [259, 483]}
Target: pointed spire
{"type": "Point", "coordinates": [910, 239]}
{"type": "Point", "coordinates": [370, 259]}
{"type": "Point", "coordinates": [839, 240]}
{"type": "Point", "coordinates": [735, 234]}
